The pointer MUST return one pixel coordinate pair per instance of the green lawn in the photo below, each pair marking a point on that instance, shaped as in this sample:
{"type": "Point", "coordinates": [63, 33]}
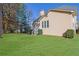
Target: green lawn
{"type": "Point", "coordinates": [24, 45]}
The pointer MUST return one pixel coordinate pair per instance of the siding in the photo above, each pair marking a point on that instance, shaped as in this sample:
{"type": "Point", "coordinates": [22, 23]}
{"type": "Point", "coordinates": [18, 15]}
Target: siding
{"type": "Point", "coordinates": [58, 23]}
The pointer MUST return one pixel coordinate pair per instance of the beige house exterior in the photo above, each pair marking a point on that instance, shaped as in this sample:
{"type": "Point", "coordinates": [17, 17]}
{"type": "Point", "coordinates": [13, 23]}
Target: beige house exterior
{"type": "Point", "coordinates": [55, 22]}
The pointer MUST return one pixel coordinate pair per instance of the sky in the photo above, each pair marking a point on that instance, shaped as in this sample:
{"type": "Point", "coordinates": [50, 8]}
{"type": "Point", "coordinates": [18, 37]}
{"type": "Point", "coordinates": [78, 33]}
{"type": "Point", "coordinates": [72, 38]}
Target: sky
{"type": "Point", "coordinates": [37, 7]}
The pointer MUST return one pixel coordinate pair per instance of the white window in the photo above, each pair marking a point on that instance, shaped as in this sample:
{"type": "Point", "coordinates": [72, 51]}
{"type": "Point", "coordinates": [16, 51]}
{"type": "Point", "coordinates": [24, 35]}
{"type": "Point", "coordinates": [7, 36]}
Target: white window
{"type": "Point", "coordinates": [45, 24]}
{"type": "Point", "coordinates": [42, 24]}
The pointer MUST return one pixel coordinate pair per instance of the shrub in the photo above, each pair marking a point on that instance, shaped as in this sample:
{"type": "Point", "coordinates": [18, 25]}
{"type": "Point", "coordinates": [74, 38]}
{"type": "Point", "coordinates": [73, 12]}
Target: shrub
{"type": "Point", "coordinates": [69, 33]}
{"type": "Point", "coordinates": [39, 31]}
{"type": "Point", "coordinates": [77, 31]}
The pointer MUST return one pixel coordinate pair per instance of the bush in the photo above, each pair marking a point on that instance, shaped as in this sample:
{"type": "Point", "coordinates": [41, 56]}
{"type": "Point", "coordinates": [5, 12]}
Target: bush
{"type": "Point", "coordinates": [69, 33]}
{"type": "Point", "coordinates": [77, 31]}
{"type": "Point", "coordinates": [39, 31]}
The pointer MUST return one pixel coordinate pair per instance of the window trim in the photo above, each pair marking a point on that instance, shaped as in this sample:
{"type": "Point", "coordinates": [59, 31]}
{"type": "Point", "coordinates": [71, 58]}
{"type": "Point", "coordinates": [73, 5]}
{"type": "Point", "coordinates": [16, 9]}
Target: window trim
{"type": "Point", "coordinates": [45, 24]}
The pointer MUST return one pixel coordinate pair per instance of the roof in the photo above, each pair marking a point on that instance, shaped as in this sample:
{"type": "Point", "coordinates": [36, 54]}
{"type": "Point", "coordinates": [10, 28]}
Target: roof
{"type": "Point", "coordinates": [38, 19]}
{"type": "Point", "coordinates": [61, 11]}
{"type": "Point", "coordinates": [73, 12]}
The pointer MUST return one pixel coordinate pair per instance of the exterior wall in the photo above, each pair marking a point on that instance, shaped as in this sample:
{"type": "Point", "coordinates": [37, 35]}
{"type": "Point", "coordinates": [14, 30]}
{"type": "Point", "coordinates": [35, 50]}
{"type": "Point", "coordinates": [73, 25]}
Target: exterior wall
{"type": "Point", "coordinates": [75, 22]}
{"type": "Point", "coordinates": [45, 30]}
{"type": "Point", "coordinates": [58, 23]}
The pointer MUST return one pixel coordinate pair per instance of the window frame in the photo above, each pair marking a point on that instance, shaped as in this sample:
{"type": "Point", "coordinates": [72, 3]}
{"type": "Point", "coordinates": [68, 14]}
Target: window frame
{"type": "Point", "coordinates": [45, 24]}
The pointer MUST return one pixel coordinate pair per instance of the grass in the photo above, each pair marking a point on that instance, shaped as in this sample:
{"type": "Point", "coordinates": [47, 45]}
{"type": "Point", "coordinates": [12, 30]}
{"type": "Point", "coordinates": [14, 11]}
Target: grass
{"type": "Point", "coordinates": [29, 45]}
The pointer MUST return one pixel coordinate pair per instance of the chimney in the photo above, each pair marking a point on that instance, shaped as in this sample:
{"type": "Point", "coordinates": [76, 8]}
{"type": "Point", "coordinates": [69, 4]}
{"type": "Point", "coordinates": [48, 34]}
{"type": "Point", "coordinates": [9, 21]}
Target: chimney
{"type": "Point", "coordinates": [42, 13]}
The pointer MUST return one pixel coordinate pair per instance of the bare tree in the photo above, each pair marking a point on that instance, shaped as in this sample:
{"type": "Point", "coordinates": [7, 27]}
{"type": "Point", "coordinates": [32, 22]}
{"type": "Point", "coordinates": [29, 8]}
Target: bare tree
{"type": "Point", "coordinates": [9, 17]}
{"type": "Point", "coordinates": [1, 28]}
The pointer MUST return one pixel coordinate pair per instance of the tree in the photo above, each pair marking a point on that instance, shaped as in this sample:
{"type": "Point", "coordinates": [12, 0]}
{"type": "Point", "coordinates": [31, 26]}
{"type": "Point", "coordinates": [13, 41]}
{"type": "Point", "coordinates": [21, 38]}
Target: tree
{"type": "Point", "coordinates": [9, 16]}
{"type": "Point", "coordinates": [14, 17]}
{"type": "Point", "coordinates": [1, 29]}
{"type": "Point", "coordinates": [23, 17]}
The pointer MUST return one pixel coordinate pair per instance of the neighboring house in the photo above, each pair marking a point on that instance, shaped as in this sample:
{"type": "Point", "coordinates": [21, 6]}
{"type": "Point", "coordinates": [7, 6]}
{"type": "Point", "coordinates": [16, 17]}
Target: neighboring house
{"type": "Point", "coordinates": [55, 22]}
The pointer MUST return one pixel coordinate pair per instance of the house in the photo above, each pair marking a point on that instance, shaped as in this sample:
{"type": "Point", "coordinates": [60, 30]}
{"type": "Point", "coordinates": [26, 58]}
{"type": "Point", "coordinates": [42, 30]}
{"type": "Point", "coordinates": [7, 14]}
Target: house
{"type": "Point", "coordinates": [55, 22]}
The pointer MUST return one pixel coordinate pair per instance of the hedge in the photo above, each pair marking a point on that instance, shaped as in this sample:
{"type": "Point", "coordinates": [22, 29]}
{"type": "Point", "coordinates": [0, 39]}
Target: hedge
{"type": "Point", "coordinates": [69, 33]}
{"type": "Point", "coordinates": [39, 31]}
